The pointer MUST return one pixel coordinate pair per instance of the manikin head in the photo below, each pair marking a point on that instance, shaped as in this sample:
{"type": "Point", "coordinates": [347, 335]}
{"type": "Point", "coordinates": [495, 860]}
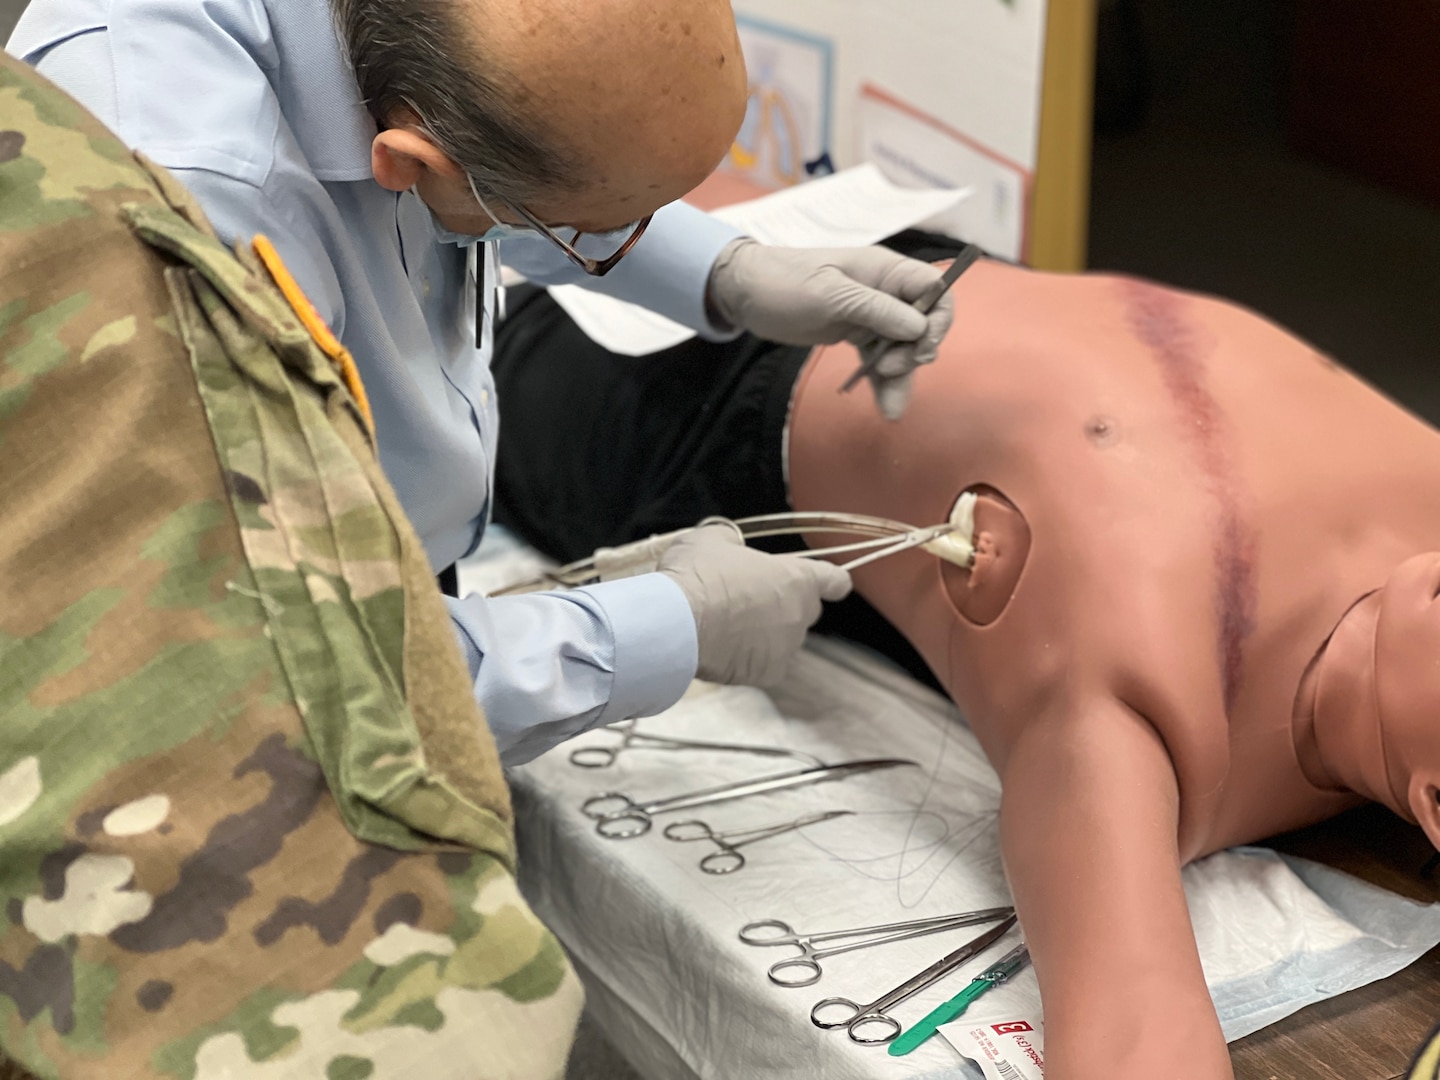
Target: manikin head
{"type": "Point", "coordinates": [589, 114]}
{"type": "Point", "coordinates": [1376, 695]}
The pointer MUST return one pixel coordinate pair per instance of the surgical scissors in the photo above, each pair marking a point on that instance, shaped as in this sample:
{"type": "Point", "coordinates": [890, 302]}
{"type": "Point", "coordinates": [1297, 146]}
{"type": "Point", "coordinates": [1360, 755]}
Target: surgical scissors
{"type": "Point", "coordinates": [772, 932]}
{"type": "Point", "coordinates": [875, 1012]}
{"type": "Point", "coordinates": [618, 817]}
{"type": "Point", "coordinates": [728, 859]}
{"type": "Point", "coordinates": [602, 757]}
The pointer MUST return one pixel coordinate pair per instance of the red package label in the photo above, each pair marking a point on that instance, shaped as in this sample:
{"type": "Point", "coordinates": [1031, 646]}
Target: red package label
{"type": "Point", "coordinates": [1014, 1028]}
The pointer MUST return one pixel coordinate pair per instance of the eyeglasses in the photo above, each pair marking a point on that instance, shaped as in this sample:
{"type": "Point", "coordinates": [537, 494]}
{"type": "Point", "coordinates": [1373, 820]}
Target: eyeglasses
{"type": "Point", "coordinates": [593, 267]}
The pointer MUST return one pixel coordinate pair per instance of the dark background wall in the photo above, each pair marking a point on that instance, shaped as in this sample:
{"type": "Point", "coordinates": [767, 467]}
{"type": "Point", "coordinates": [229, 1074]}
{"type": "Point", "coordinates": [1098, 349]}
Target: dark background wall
{"type": "Point", "coordinates": [1197, 182]}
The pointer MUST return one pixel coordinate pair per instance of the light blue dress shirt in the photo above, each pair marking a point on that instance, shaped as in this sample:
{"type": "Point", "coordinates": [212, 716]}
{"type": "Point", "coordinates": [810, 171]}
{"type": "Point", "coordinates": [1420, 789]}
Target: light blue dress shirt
{"type": "Point", "coordinates": [251, 103]}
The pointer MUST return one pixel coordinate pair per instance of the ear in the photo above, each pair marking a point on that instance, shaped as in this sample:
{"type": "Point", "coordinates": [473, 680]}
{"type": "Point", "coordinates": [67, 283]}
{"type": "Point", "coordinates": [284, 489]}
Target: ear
{"type": "Point", "coordinates": [1425, 805]}
{"type": "Point", "coordinates": [400, 157]}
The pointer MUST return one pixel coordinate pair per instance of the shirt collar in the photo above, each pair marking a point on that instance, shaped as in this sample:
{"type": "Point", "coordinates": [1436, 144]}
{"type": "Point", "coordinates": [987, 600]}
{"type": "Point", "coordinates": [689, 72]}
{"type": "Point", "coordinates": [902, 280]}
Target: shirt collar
{"type": "Point", "coordinates": [317, 91]}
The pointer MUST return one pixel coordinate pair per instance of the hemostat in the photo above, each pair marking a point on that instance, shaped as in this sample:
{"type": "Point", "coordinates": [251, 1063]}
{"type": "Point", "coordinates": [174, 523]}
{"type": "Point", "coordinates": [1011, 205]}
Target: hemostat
{"type": "Point", "coordinates": [953, 541]}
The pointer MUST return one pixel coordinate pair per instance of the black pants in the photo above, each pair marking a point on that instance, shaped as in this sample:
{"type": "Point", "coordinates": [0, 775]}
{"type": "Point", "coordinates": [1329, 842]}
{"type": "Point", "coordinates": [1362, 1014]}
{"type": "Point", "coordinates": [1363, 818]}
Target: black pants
{"type": "Point", "coordinates": [598, 449]}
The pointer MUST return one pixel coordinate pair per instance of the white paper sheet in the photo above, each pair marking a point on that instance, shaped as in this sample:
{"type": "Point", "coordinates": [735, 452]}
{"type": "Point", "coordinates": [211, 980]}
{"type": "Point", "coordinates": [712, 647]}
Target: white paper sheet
{"type": "Point", "coordinates": [976, 65]}
{"type": "Point", "coordinates": [917, 149]}
{"type": "Point", "coordinates": [852, 208]}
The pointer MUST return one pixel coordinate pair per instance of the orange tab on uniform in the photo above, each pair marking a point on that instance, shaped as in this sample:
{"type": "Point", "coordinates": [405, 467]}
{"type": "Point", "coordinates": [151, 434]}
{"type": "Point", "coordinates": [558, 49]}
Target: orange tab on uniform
{"type": "Point", "coordinates": [315, 325]}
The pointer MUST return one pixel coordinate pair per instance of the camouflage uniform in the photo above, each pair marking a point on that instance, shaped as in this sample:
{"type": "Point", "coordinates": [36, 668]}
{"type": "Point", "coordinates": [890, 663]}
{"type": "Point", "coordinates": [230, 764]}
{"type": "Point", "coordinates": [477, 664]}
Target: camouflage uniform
{"type": "Point", "coordinates": [252, 824]}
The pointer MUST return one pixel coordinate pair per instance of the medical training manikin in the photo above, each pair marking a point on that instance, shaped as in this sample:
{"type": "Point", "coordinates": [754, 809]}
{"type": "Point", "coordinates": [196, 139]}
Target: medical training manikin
{"type": "Point", "coordinates": [1202, 610]}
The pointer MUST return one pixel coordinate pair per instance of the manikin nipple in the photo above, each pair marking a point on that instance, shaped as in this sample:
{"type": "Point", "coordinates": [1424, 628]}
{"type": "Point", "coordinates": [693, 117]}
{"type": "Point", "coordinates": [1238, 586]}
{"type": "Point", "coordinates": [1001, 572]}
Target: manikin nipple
{"type": "Point", "coordinates": [958, 546]}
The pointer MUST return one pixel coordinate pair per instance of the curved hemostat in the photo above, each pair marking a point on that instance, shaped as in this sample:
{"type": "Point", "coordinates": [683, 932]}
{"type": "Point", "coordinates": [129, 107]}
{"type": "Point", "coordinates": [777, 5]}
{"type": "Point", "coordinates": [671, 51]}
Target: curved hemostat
{"type": "Point", "coordinates": [879, 539]}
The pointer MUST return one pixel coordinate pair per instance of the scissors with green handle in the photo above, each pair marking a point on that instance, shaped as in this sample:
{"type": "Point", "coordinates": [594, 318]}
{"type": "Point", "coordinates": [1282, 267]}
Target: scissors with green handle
{"type": "Point", "coordinates": [992, 976]}
{"type": "Point", "coordinates": [871, 1025]}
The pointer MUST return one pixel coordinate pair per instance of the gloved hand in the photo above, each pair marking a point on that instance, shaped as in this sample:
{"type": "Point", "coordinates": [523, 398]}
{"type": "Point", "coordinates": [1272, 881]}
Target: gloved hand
{"type": "Point", "coordinates": [751, 609]}
{"type": "Point", "coordinates": [818, 296]}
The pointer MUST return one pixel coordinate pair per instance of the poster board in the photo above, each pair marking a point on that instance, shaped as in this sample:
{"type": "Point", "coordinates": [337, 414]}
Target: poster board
{"type": "Point", "coordinates": [934, 92]}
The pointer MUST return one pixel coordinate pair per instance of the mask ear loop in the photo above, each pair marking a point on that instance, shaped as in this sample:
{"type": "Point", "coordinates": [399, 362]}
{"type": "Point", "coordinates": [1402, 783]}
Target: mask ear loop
{"type": "Point", "coordinates": [470, 180]}
{"type": "Point", "coordinates": [508, 226]}
{"type": "Point", "coordinates": [420, 128]}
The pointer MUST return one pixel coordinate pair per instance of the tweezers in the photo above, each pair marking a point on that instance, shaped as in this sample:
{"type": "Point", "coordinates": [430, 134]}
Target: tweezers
{"type": "Point", "coordinates": [877, 348]}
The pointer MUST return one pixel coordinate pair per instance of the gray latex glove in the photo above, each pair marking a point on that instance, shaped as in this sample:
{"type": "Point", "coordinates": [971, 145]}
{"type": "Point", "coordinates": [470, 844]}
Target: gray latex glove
{"type": "Point", "coordinates": [751, 609]}
{"type": "Point", "coordinates": [818, 296]}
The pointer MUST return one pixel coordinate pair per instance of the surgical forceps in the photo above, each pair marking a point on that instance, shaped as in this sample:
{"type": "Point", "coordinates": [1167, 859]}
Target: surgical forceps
{"type": "Point", "coordinates": [602, 757]}
{"type": "Point", "coordinates": [882, 548]}
{"type": "Point", "coordinates": [771, 932]}
{"type": "Point", "coordinates": [874, 350]}
{"type": "Point", "coordinates": [618, 817]}
{"type": "Point", "coordinates": [728, 859]}
{"type": "Point", "coordinates": [876, 1012]}
{"type": "Point", "coordinates": [882, 538]}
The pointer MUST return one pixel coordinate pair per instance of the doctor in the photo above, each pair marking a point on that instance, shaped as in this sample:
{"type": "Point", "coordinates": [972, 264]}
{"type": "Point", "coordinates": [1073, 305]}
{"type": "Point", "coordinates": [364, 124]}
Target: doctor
{"type": "Point", "coordinates": [393, 151]}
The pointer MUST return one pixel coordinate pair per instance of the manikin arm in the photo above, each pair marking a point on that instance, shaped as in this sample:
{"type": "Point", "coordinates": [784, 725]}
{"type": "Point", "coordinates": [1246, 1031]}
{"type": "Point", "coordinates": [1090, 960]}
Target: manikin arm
{"type": "Point", "coordinates": [1088, 827]}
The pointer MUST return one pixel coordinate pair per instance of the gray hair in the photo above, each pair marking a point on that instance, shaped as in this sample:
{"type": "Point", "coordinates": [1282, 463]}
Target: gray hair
{"type": "Point", "coordinates": [409, 54]}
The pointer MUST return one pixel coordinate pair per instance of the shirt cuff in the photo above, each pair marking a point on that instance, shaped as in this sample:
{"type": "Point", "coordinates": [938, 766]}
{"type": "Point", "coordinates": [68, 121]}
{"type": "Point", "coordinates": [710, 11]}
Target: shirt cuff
{"type": "Point", "coordinates": [672, 272]}
{"type": "Point", "coordinates": [656, 647]}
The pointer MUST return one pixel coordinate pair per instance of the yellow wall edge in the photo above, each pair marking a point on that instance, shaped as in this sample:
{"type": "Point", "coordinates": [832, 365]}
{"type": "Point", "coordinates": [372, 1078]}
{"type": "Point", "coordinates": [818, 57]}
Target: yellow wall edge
{"type": "Point", "coordinates": [1061, 208]}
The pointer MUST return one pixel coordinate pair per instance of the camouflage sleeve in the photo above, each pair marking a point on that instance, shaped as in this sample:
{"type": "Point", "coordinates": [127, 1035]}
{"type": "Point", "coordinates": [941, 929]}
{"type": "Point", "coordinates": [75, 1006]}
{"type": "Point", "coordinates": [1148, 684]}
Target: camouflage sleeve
{"type": "Point", "coordinates": [251, 822]}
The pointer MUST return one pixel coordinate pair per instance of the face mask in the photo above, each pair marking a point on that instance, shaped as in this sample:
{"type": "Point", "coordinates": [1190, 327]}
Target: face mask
{"type": "Point", "coordinates": [497, 231]}
{"type": "Point", "coordinates": [449, 236]}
